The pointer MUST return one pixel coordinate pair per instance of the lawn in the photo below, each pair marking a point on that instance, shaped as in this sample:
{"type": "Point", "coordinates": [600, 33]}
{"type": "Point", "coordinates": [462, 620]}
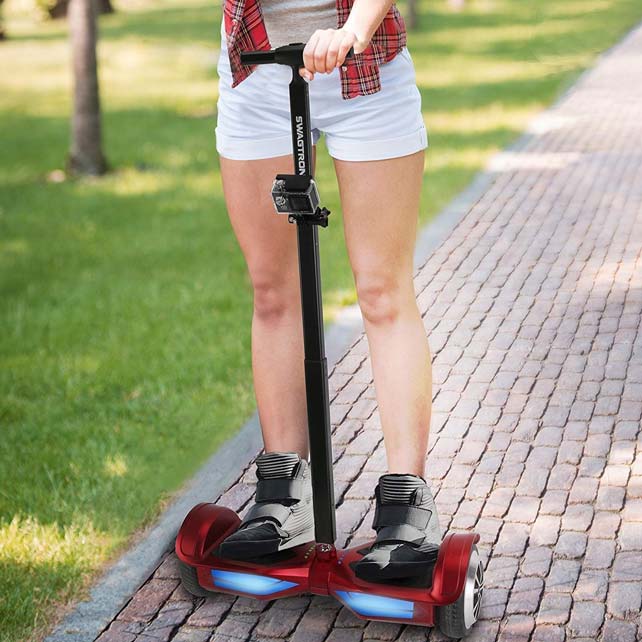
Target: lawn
{"type": "Point", "coordinates": [125, 304]}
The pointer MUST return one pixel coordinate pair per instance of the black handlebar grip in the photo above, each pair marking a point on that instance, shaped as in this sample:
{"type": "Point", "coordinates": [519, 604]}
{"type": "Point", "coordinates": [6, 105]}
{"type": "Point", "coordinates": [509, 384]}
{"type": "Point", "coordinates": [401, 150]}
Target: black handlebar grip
{"type": "Point", "coordinates": [257, 57]}
{"type": "Point", "coordinates": [291, 55]}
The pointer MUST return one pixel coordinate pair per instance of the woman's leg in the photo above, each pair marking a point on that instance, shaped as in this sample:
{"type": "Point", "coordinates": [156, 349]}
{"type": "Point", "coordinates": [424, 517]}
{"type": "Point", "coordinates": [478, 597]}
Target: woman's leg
{"type": "Point", "coordinates": [380, 203]}
{"type": "Point", "coordinates": [269, 245]}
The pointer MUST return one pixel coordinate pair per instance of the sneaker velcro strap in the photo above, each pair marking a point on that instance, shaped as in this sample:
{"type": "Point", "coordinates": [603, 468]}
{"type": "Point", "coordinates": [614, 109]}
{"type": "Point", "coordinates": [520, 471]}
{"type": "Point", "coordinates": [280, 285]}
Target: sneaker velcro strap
{"type": "Point", "coordinates": [401, 532]}
{"type": "Point", "coordinates": [277, 512]}
{"type": "Point", "coordinates": [400, 515]}
{"type": "Point", "coordinates": [270, 490]}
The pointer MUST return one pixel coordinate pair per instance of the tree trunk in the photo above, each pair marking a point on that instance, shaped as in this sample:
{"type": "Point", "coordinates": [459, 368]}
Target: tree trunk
{"type": "Point", "coordinates": [413, 15]}
{"type": "Point", "coordinates": [2, 33]}
{"type": "Point", "coordinates": [60, 8]}
{"type": "Point", "coordinates": [85, 155]}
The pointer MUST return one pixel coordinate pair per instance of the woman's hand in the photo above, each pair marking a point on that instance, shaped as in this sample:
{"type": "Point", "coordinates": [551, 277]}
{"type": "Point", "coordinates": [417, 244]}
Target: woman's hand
{"type": "Point", "coordinates": [326, 49]}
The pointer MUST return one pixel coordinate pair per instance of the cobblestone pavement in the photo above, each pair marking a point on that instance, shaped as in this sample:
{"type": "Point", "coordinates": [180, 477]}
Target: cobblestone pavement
{"type": "Point", "coordinates": [533, 308]}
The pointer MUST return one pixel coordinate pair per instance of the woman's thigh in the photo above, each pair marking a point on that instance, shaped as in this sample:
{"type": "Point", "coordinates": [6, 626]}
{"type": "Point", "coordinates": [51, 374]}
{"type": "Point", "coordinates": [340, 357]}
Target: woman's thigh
{"type": "Point", "coordinates": [380, 202]}
{"type": "Point", "coordinates": [254, 143]}
{"type": "Point", "coordinates": [378, 143]}
{"type": "Point", "coordinates": [267, 239]}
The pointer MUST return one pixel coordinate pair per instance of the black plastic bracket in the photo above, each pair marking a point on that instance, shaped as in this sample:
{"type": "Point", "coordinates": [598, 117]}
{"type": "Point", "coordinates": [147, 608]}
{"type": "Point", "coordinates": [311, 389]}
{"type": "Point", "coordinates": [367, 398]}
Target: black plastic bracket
{"type": "Point", "coordinates": [320, 217]}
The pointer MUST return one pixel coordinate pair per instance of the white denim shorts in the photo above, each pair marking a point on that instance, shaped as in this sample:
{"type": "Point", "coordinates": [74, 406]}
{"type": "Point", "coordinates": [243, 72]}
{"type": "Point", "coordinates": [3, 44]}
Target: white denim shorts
{"type": "Point", "coordinates": [253, 118]}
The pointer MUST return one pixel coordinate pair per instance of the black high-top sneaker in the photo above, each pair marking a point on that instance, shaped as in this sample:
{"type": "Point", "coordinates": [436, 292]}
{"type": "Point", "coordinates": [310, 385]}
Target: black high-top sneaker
{"type": "Point", "coordinates": [282, 515]}
{"type": "Point", "coordinates": [407, 526]}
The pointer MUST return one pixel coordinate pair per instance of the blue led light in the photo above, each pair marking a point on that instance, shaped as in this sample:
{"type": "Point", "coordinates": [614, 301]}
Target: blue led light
{"type": "Point", "coordinates": [377, 605]}
{"type": "Point", "coordinates": [249, 583]}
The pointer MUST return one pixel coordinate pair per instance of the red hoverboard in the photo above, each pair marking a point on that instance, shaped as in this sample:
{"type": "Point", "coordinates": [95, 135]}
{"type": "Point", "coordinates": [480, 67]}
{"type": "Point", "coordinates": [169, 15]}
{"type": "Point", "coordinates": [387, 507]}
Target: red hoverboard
{"type": "Point", "coordinates": [449, 592]}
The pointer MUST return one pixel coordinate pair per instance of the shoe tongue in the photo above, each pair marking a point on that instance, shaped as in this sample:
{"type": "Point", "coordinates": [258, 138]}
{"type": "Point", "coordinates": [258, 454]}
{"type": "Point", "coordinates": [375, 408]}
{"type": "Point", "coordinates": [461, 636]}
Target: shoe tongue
{"type": "Point", "coordinates": [273, 465]}
{"type": "Point", "coordinates": [398, 488]}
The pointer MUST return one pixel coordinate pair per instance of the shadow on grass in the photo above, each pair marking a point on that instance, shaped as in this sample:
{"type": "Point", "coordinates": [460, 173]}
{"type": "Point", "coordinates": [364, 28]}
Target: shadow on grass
{"type": "Point", "coordinates": [175, 24]}
{"type": "Point", "coordinates": [25, 599]}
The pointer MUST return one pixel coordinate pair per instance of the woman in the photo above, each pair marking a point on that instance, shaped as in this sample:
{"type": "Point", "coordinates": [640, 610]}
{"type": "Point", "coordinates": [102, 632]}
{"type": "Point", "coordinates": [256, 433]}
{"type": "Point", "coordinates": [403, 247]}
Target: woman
{"type": "Point", "coordinates": [369, 109]}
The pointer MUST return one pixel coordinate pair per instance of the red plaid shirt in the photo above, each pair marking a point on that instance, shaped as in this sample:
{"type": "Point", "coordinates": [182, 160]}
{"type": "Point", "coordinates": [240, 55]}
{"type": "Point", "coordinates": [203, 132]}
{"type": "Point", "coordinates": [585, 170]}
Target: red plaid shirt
{"type": "Point", "coordinates": [245, 31]}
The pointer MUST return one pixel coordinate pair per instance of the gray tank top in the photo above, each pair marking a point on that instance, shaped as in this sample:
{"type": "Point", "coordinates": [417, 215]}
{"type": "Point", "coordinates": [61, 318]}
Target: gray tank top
{"type": "Point", "coordinates": [296, 20]}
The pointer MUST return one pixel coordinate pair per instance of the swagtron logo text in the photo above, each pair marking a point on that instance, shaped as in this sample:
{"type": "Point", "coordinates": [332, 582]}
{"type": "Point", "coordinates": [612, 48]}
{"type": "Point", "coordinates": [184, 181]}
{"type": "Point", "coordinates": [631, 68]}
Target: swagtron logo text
{"type": "Point", "coordinates": [300, 154]}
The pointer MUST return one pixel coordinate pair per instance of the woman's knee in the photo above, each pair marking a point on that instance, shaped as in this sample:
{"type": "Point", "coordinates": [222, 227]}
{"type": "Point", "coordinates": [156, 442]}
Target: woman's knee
{"type": "Point", "coordinates": [274, 297]}
{"type": "Point", "coordinates": [381, 297]}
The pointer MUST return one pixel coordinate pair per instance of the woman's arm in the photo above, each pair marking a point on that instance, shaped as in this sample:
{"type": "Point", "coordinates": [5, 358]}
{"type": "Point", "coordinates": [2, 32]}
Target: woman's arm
{"type": "Point", "coordinates": [327, 48]}
{"type": "Point", "coordinates": [364, 19]}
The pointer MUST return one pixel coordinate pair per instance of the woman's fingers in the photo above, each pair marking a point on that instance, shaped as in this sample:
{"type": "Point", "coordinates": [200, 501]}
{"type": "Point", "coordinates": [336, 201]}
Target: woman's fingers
{"type": "Point", "coordinates": [338, 48]}
{"type": "Point", "coordinates": [332, 51]}
{"type": "Point", "coordinates": [325, 50]}
{"type": "Point", "coordinates": [321, 50]}
{"type": "Point", "coordinates": [308, 56]}
{"type": "Point", "coordinates": [348, 39]}
{"type": "Point", "coordinates": [359, 45]}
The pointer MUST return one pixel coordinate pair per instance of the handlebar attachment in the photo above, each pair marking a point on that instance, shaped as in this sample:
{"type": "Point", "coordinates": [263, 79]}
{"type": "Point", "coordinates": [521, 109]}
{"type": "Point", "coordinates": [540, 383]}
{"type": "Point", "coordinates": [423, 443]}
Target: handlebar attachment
{"type": "Point", "coordinates": [291, 55]}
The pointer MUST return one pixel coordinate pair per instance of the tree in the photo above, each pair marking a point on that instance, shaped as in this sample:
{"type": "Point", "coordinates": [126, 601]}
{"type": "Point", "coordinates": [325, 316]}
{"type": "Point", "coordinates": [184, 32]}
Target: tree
{"type": "Point", "coordinates": [85, 155]}
{"type": "Point", "coordinates": [412, 14]}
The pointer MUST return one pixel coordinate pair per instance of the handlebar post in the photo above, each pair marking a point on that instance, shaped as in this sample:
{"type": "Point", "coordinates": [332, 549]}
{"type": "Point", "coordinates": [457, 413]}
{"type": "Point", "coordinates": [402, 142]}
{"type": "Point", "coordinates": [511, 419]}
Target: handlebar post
{"type": "Point", "coordinates": [297, 195]}
{"type": "Point", "coordinates": [301, 129]}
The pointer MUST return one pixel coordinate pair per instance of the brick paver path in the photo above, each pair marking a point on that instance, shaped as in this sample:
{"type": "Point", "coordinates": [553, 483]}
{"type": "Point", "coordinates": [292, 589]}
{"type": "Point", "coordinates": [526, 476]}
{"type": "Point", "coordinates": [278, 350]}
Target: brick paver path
{"type": "Point", "coordinates": [533, 309]}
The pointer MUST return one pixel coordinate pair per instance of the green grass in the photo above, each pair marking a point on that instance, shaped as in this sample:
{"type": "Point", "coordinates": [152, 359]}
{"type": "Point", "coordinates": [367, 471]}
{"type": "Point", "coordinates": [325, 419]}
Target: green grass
{"type": "Point", "coordinates": [125, 314]}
